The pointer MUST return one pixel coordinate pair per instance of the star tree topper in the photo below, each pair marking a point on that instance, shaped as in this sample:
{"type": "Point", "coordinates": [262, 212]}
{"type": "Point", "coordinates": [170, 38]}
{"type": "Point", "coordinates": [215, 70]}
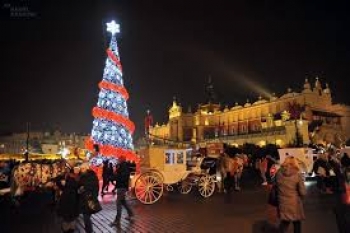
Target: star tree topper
{"type": "Point", "coordinates": [113, 27]}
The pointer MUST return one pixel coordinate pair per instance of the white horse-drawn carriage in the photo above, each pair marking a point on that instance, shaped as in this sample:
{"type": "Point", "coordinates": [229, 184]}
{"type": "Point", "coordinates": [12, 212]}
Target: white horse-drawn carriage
{"type": "Point", "coordinates": [173, 168]}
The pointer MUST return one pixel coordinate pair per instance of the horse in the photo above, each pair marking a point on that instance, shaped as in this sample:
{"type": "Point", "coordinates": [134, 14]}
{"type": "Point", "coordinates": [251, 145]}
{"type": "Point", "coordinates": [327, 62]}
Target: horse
{"type": "Point", "coordinates": [229, 168]}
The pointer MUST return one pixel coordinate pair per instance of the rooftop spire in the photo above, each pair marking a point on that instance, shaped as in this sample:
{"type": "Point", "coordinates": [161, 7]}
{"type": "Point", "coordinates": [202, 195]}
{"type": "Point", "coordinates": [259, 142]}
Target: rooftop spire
{"type": "Point", "coordinates": [327, 90]}
{"type": "Point", "coordinates": [209, 91]}
{"type": "Point", "coordinates": [317, 83]}
{"type": "Point", "coordinates": [307, 86]}
{"type": "Point", "coordinates": [318, 87]}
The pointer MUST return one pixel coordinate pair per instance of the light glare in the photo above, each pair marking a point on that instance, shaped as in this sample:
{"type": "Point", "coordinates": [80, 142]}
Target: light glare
{"type": "Point", "coordinates": [113, 27]}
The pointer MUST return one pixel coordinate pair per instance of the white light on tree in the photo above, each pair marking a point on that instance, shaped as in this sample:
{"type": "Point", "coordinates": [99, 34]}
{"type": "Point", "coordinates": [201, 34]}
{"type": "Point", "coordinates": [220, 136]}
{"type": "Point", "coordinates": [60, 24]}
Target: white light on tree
{"type": "Point", "coordinates": [113, 27]}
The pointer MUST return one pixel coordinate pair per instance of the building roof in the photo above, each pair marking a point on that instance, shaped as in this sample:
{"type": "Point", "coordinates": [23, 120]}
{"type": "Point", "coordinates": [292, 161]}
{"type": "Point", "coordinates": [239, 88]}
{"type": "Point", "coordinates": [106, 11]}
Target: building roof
{"type": "Point", "coordinates": [325, 113]}
{"type": "Point", "coordinates": [260, 101]}
{"type": "Point", "coordinates": [289, 95]}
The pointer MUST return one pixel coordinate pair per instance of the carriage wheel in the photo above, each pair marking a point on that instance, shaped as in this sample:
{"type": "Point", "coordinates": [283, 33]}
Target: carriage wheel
{"type": "Point", "coordinates": [185, 186]}
{"type": "Point", "coordinates": [206, 186]}
{"type": "Point", "coordinates": [149, 187]}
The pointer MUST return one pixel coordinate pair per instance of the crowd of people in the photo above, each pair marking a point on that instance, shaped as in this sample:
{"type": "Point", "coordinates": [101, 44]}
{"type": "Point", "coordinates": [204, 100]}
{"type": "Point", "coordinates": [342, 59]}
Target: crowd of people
{"type": "Point", "coordinates": [109, 175]}
{"type": "Point", "coordinates": [76, 189]}
{"type": "Point", "coordinates": [330, 169]}
{"type": "Point", "coordinates": [6, 168]}
{"type": "Point", "coordinates": [79, 190]}
{"type": "Point", "coordinates": [288, 181]}
{"type": "Point", "coordinates": [78, 186]}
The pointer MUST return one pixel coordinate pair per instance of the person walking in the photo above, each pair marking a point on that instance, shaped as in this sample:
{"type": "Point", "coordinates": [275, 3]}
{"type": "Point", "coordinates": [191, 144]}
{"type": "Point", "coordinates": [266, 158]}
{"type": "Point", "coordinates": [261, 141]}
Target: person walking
{"type": "Point", "coordinates": [122, 185]}
{"type": "Point", "coordinates": [322, 169]}
{"type": "Point", "coordinates": [110, 174]}
{"type": "Point", "coordinates": [88, 186]}
{"type": "Point", "coordinates": [263, 170]}
{"type": "Point", "coordinates": [105, 177]}
{"type": "Point", "coordinates": [68, 203]}
{"type": "Point", "coordinates": [345, 160]}
{"type": "Point", "coordinates": [336, 176]}
{"type": "Point", "coordinates": [290, 191]}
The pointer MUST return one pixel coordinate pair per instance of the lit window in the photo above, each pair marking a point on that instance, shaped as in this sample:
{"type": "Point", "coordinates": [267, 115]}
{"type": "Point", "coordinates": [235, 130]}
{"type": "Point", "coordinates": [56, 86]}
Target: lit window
{"type": "Point", "coordinates": [180, 158]}
{"type": "Point", "coordinates": [169, 158]}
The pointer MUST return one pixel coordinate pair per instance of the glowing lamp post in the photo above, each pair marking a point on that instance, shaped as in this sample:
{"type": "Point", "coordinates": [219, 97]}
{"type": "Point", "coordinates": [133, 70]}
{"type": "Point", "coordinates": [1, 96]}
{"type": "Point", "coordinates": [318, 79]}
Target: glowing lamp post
{"type": "Point", "coordinates": [298, 137]}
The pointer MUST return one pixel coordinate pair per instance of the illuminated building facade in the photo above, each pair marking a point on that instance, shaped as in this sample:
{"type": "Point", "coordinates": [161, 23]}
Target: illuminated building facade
{"type": "Point", "coordinates": [295, 118]}
{"type": "Point", "coordinates": [40, 142]}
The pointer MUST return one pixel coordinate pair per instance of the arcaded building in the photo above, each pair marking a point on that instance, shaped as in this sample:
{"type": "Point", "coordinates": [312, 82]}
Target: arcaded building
{"type": "Point", "coordinates": [295, 118]}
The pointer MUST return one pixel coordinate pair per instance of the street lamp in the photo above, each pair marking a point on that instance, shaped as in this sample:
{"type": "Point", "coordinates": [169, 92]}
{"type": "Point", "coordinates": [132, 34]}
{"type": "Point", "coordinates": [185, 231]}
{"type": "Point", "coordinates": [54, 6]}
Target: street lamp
{"type": "Point", "coordinates": [26, 153]}
{"type": "Point", "coordinates": [298, 137]}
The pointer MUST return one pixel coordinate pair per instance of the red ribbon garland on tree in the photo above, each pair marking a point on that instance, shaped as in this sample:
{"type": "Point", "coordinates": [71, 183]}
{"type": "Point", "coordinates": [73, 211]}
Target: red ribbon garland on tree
{"type": "Point", "coordinates": [101, 113]}
{"type": "Point", "coordinates": [108, 150]}
{"type": "Point", "coordinates": [115, 59]}
{"type": "Point", "coordinates": [114, 87]}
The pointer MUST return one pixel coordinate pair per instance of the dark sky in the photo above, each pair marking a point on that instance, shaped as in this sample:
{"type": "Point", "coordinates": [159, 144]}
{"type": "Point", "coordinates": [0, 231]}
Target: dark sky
{"type": "Point", "coordinates": [52, 56]}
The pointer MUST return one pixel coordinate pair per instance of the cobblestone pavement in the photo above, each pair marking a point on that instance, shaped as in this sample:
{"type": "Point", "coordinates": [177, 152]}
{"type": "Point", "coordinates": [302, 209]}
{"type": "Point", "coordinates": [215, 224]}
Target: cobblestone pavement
{"type": "Point", "coordinates": [182, 214]}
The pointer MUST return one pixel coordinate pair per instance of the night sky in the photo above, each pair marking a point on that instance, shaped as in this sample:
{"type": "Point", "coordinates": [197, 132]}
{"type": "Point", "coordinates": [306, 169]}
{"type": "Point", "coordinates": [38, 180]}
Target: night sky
{"type": "Point", "coordinates": [53, 54]}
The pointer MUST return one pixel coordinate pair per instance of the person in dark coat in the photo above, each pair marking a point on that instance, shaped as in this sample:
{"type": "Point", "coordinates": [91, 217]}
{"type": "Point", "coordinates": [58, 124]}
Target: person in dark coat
{"type": "Point", "coordinates": [68, 203]}
{"type": "Point", "coordinates": [132, 167]}
{"type": "Point", "coordinates": [105, 177]}
{"type": "Point", "coordinates": [291, 189]}
{"type": "Point", "coordinates": [110, 175]}
{"type": "Point", "coordinates": [322, 170]}
{"type": "Point", "coordinates": [88, 185]}
{"type": "Point", "coordinates": [336, 177]}
{"type": "Point", "coordinates": [345, 160]}
{"type": "Point", "coordinates": [122, 185]}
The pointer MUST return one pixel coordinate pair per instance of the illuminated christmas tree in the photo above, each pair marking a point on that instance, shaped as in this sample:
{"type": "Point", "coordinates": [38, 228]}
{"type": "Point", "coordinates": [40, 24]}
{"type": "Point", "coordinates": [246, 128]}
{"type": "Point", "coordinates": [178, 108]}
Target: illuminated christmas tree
{"type": "Point", "coordinates": [112, 130]}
